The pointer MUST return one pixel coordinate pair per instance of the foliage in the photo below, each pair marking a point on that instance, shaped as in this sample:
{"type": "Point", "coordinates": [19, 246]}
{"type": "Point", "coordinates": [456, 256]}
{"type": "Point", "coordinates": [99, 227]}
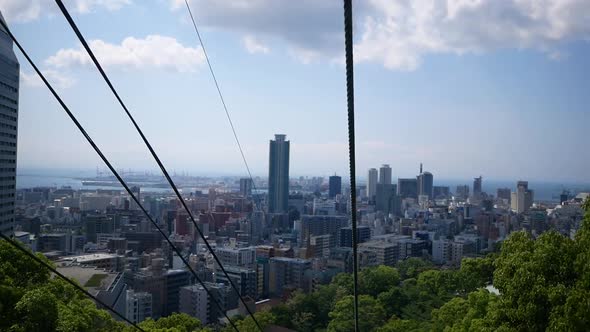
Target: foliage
{"type": "Point", "coordinates": [371, 311]}
{"type": "Point", "coordinates": [412, 267]}
{"type": "Point", "coordinates": [264, 318]}
{"type": "Point", "coordinates": [376, 280]}
{"type": "Point", "coordinates": [30, 300]}
{"type": "Point", "coordinates": [173, 323]}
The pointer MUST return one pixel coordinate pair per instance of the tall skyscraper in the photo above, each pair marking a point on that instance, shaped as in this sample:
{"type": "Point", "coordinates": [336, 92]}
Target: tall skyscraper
{"type": "Point", "coordinates": [335, 186]}
{"type": "Point", "coordinates": [385, 174]}
{"type": "Point", "coordinates": [246, 187]}
{"type": "Point", "coordinates": [522, 199]}
{"type": "Point", "coordinates": [477, 182]}
{"type": "Point", "coordinates": [278, 175]}
{"type": "Point", "coordinates": [9, 79]}
{"type": "Point", "coordinates": [425, 184]}
{"type": "Point", "coordinates": [407, 188]}
{"type": "Point", "coordinates": [462, 191]}
{"type": "Point", "coordinates": [372, 183]}
{"type": "Point", "coordinates": [503, 193]}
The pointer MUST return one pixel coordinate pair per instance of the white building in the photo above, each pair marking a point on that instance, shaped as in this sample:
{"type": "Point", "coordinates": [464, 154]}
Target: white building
{"type": "Point", "coordinates": [239, 257]}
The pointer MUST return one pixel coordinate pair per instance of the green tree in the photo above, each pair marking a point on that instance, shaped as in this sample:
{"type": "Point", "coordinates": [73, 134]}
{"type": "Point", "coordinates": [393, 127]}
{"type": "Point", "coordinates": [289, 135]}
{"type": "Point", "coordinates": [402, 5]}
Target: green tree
{"type": "Point", "coordinates": [264, 318]}
{"type": "Point", "coordinates": [534, 278]}
{"type": "Point", "coordinates": [176, 322]}
{"type": "Point", "coordinates": [439, 282]}
{"type": "Point", "coordinates": [393, 300]}
{"type": "Point", "coordinates": [475, 273]}
{"type": "Point", "coordinates": [412, 267]}
{"type": "Point", "coordinates": [375, 280]}
{"type": "Point", "coordinates": [37, 311]}
{"type": "Point", "coordinates": [371, 314]}
{"type": "Point", "coordinates": [461, 314]}
{"type": "Point", "coordinates": [404, 325]}
{"type": "Point", "coordinates": [283, 315]}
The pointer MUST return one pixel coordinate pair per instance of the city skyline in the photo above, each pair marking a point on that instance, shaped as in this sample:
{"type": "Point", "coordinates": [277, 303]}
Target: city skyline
{"type": "Point", "coordinates": [245, 223]}
{"type": "Point", "coordinates": [514, 110]}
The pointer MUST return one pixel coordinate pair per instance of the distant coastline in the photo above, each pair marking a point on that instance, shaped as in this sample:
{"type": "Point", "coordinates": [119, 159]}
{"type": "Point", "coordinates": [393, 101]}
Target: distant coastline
{"type": "Point", "coordinates": [77, 179]}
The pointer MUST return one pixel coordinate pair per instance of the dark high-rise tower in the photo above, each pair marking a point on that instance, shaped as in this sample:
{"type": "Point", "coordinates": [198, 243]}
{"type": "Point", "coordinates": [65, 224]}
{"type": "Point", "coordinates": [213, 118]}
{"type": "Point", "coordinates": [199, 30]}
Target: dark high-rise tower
{"type": "Point", "coordinates": [278, 175]}
{"type": "Point", "coordinates": [9, 79]}
{"type": "Point", "coordinates": [477, 187]}
{"type": "Point", "coordinates": [425, 184]}
{"type": "Point", "coordinates": [335, 186]}
{"type": "Point", "coordinates": [385, 174]}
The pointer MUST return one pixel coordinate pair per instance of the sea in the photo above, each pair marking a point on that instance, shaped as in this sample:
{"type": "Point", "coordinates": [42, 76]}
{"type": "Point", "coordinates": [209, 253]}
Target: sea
{"type": "Point", "coordinates": [545, 191]}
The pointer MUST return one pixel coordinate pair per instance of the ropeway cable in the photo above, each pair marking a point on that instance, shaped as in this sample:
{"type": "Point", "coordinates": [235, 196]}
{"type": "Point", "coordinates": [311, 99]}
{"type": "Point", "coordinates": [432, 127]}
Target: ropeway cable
{"type": "Point", "coordinates": [111, 168]}
{"type": "Point", "coordinates": [152, 151]}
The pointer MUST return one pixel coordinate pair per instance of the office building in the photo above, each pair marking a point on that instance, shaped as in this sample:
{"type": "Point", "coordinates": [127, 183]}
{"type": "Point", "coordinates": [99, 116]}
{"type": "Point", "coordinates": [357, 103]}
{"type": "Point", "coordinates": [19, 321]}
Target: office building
{"type": "Point", "coordinates": [320, 245]}
{"type": "Point", "coordinates": [288, 273]}
{"type": "Point", "coordinates": [384, 197]}
{"type": "Point", "coordinates": [407, 188]}
{"type": "Point", "coordinates": [439, 192]}
{"type": "Point", "coordinates": [503, 193]}
{"type": "Point", "coordinates": [372, 178]}
{"type": "Point", "coordinates": [246, 187]}
{"type": "Point", "coordinates": [194, 301]}
{"type": "Point", "coordinates": [385, 174]}
{"type": "Point", "coordinates": [522, 199]}
{"type": "Point", "coordinates": [243, 278]}
{"type": "Point", "coordinates": [96, 224]}
{"type": "Point", "coordinates": [238, 257]}
{"type": "Point", "coordinates": [462, 191]}
{"type": "Point", "coordinates": [175, 280]}
{"type": "Point", "coordinates": [322, 225]}
{"type": "Point", "coordinates": [426, 184]}
{"type": "Point", "coordinates": [335, 186]}
{"type": "Point", "coordinates": [345, 240]}
{"type": "Point", "coordinates": [385, 253]}
{"type": "Point", "coordinates": [9, 86]}
{"type": "Point", "coordinates": [138, 306]}
{"type": "Point", "coordinates": [477, 183]}
{"type": "Point", "coordinates": [278, 175]}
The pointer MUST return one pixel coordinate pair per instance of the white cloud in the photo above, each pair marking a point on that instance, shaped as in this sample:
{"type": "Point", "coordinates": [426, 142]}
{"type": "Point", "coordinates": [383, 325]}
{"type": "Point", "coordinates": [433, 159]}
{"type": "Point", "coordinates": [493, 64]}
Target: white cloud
{"type": "Point", "coordinates": [154, 51]}
{"type": "Point", "coordinates": [54, 77]}
{"type": "Point", "coordinates": [253, 45]}
{"type": "Point", "coordinates": [399, 33]}
{"type": "Point", "coordinates": [29, 10]}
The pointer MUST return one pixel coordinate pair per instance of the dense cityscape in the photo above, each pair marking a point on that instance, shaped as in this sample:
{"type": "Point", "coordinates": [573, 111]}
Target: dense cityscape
{"type": "Point", "coordinates": [275, 252]}
{"type": "Point", "coordinates": [274, 237]}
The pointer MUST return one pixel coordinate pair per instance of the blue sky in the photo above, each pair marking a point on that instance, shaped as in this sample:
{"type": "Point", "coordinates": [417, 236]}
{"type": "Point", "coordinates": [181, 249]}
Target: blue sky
{"type": "Point", "coordinates": [497, 88]}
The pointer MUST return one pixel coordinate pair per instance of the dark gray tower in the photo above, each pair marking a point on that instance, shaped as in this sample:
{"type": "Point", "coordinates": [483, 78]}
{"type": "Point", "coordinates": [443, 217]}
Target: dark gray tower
{"type": "Point", "coordinates": [425, 184]}
{"type": "Point", "coordinates": [335, 186]}
{"type": "Point", "coordinates": [9, 79]}
{"type": "Point", "coordinates": [477, 184]}
{"type": "Point", "coordinates": [278, 175]}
